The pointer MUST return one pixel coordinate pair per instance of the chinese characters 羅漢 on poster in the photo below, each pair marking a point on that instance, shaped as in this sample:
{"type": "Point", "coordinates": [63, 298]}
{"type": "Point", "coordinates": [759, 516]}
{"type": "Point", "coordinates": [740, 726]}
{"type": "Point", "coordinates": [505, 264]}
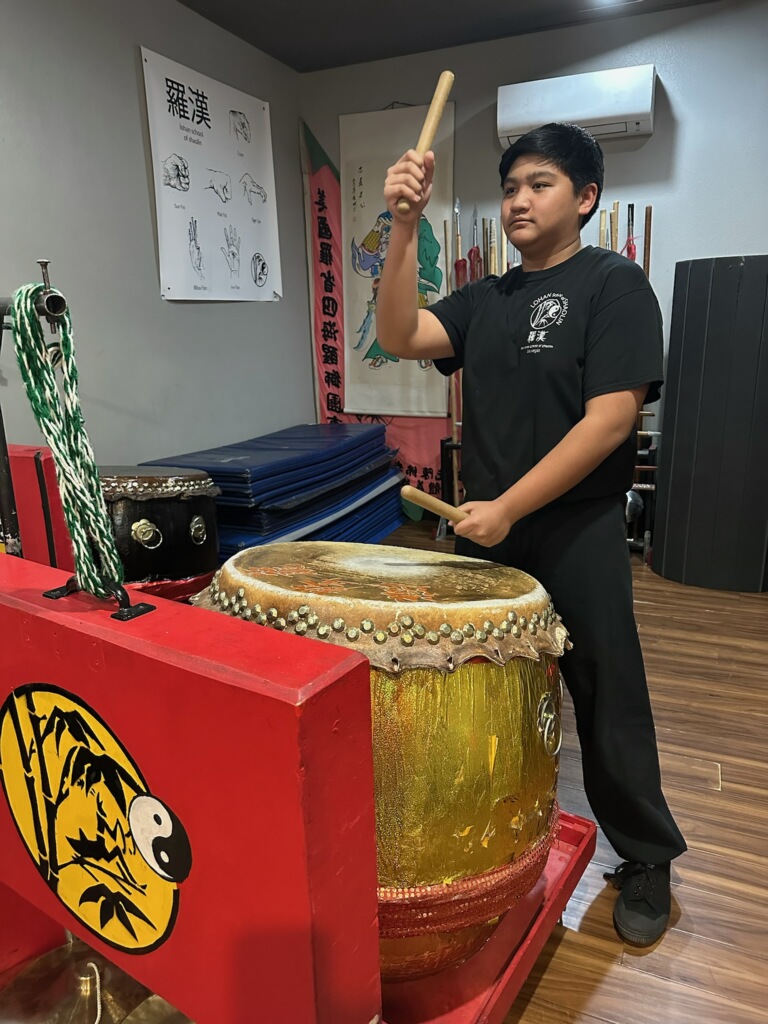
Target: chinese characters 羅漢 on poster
{"type": "Point", "coordinates": [214, 186]}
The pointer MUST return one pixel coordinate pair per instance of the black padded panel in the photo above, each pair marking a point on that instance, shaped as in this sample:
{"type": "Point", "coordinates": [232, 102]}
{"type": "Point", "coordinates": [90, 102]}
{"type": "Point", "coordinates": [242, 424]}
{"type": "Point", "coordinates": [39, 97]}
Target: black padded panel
{"type": "Point", "coordinates": [711, 526]}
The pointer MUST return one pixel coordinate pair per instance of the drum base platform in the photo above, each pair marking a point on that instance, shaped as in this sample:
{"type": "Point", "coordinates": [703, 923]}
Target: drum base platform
{"type": "Point", "coordinates": [482, 990]}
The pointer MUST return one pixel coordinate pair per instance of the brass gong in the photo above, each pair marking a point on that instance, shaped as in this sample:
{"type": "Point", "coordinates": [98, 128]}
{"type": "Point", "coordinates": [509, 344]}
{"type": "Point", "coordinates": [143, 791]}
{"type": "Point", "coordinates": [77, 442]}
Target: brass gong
{"type": "Point", "coordinates": [156, 1011]}
{"type": "Point", "coordinates": [70, 985]}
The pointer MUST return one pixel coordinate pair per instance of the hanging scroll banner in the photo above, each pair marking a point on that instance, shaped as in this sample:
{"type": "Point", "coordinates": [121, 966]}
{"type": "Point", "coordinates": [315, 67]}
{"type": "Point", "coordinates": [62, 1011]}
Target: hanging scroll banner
{"type": "Point", "coordinates": [375, 380]}
{"type": "Point", "coordinates": [416, 439]}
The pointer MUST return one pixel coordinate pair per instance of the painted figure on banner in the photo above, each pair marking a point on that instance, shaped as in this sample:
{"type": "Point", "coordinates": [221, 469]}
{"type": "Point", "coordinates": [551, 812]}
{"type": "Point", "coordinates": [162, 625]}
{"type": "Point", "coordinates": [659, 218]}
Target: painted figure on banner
{"type": "Point", "coordinates": [368, 260]}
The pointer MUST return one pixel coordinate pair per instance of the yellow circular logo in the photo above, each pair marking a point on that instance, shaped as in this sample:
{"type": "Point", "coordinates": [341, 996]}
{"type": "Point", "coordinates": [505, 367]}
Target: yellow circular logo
{"type": "Point", "coordinates": [111, 851]}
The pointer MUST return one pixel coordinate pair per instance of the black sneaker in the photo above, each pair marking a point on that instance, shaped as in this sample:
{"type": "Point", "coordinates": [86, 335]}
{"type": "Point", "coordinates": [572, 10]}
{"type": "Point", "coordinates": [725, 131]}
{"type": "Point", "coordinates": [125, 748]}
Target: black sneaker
{"type": "Point", "coordinates": [642, 907]}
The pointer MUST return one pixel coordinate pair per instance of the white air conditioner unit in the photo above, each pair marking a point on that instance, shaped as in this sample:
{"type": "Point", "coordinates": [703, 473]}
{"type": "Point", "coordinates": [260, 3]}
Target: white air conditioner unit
{"type": "Point", "coordinates": [612, 104]}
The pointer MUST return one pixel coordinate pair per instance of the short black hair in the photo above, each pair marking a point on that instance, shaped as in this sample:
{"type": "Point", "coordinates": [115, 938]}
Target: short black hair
{"type": "Point", "coordinates": [569, 148]}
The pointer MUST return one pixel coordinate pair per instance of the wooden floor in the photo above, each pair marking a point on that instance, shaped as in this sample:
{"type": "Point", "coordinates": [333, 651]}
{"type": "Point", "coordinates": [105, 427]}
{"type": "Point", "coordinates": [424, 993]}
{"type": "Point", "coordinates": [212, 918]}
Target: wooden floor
{"type": "Point", "coordinates": [706, 655]}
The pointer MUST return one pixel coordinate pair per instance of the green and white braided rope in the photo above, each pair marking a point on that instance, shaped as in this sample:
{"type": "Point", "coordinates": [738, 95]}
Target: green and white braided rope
{"type": "Point", "coordinates": [60, 419]}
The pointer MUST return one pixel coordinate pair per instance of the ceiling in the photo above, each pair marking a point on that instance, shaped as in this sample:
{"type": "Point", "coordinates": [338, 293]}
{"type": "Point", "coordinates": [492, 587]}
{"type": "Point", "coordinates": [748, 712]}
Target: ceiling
{"type": "Point", "coordinates": [312, 35]}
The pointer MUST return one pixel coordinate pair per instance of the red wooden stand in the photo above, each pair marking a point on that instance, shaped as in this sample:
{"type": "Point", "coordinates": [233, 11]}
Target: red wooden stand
{"type": "Point", "coordinates": [261, 745]}
{"type": "Point", "coordinates": [260, 742]}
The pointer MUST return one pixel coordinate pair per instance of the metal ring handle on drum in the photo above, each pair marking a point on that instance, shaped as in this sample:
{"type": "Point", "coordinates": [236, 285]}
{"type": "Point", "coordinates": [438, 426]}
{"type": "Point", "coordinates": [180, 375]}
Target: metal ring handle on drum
{"type": "Point", "coordinates": [198, 531]}
{"type": "Point", "coordinates": [548, 721]}
{"type": "Point", "coordinates": [144, 532]}
{"type": "Point", "coordinates": [550, 725]}
{"type": "Point", "coordinates": [546, 711]}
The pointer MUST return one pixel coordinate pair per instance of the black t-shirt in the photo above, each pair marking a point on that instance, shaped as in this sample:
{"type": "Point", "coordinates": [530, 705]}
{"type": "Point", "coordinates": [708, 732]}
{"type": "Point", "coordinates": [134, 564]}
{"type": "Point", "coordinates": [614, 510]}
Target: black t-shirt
{"type": "Point", "coordinates": [534, 348]}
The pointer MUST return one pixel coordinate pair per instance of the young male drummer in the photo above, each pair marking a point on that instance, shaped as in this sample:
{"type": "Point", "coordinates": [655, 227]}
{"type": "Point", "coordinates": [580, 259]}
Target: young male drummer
{"type": "Point", "coordinates": [559, 356]}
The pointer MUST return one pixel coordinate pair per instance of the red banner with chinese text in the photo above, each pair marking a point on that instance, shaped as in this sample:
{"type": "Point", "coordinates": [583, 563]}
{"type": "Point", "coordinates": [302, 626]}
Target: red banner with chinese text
{"type": "Point", "coordinates": [417, 439]}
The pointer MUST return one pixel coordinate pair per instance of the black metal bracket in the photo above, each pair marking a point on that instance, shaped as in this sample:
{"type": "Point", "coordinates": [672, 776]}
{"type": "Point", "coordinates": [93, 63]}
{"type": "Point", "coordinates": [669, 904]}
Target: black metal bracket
{"type": "Point", "coordinates": [126, 611]}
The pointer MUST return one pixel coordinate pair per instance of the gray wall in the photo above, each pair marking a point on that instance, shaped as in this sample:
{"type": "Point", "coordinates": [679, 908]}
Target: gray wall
{"type": "Point", "coordinates": [157, 378]}
{"type": "Point", "coordinates": [704, 168]}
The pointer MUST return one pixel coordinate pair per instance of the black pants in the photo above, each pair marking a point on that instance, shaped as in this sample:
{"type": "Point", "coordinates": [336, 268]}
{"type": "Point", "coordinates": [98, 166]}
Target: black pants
{"type": "Point", "coordinates": [579, 553]}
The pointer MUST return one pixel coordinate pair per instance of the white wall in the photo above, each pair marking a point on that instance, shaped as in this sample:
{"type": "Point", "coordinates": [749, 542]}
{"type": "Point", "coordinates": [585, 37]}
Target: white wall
{"type": "Point", "coordinates": [157, 378]}
{"type": "Point", "coordinates": [703, 170]}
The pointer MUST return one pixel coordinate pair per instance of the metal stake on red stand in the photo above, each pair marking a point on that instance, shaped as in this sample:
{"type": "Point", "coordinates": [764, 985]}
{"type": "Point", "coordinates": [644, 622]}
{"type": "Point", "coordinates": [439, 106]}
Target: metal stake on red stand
{"type": "Point", "coordinates": [51, 306]}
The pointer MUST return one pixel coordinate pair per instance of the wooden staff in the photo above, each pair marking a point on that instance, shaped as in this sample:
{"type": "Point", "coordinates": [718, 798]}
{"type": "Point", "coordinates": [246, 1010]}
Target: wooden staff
{"type": "Point", "coordinates": [440, 508]}
{"type": "Point", "coordinates": [474, 258]}
{"type": "Point", "coordinates": [647, 241]}
{"type": "Point", "coordinates": [603, 233]}
{"type": "Point", "coordinates": [447, 252]}
{"type": "Point", "coordinates": [454, 411]}
{"type": "Point", "coordinates": [431, 121]}
{"type": "Point", "coordinates": [615, 227]}
{"type": "Point", "coordinates": [493, 261]}
{"type": "Point", "coordinates": [631, 247]}
{"type": "Point", "coordinates": [460, 268]}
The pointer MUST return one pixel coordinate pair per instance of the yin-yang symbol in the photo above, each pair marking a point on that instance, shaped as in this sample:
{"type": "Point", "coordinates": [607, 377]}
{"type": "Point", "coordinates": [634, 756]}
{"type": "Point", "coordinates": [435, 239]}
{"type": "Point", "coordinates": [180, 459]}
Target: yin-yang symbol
{"type": "Point", "coordinates": [160, 838]}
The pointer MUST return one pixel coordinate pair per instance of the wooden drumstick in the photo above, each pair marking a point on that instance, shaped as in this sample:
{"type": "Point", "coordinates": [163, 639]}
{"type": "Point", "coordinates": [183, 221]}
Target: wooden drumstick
{"type": "Point", "coordinates": [431, 121]}
{"type": "Point", "coordinates": [440, 508]}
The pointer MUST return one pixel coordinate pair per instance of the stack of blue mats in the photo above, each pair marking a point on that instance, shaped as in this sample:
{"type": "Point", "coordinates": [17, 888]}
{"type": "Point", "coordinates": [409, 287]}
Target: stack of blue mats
{"type": "Point", "coordinates": [323, 481]}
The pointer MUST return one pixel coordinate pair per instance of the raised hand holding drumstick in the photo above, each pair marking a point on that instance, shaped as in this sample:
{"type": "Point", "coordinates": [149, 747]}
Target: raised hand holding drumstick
{"type": "Point", "coordinates": [408, 186]}
{"type": "Point", "coordinates": [409, 181]}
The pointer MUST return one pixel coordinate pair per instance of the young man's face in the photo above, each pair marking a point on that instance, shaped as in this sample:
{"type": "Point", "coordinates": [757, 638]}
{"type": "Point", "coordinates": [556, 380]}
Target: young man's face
{"type": "Point", "coordinates": [539, 209]}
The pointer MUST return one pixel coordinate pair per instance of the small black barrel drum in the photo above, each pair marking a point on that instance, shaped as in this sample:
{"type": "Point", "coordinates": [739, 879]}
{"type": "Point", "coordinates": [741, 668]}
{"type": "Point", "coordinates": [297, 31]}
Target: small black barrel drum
{"type": "Point", "coordinates": [164, 521]}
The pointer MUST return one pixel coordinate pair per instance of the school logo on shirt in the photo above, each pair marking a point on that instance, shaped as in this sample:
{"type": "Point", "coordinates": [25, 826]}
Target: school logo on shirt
{"type": "Point", "coordinates": [547, 311]}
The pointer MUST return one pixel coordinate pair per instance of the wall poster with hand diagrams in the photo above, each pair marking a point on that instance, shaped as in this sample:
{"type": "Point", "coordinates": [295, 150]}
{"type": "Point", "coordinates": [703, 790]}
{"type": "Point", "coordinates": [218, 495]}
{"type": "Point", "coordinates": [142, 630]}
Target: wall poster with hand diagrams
{"type": "Point", "coordinates": [214, 187]}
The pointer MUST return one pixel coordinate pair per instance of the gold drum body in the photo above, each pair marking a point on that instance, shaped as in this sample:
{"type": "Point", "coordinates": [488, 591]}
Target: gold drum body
{"type": "Point", "coordinates": [466, 700]}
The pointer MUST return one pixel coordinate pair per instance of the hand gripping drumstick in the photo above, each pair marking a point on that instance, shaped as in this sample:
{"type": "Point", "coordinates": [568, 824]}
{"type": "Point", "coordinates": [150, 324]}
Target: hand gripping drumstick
{"type": "Point", "coordinates": [440, 508]}
{"type": "Point", "coordinates": [431, 121]}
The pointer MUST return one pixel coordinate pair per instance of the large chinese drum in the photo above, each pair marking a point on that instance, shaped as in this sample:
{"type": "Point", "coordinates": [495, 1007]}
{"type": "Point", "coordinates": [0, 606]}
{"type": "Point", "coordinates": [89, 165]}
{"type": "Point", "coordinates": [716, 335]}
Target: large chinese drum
{"type": "Point", "coordinates": [466, 731]}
